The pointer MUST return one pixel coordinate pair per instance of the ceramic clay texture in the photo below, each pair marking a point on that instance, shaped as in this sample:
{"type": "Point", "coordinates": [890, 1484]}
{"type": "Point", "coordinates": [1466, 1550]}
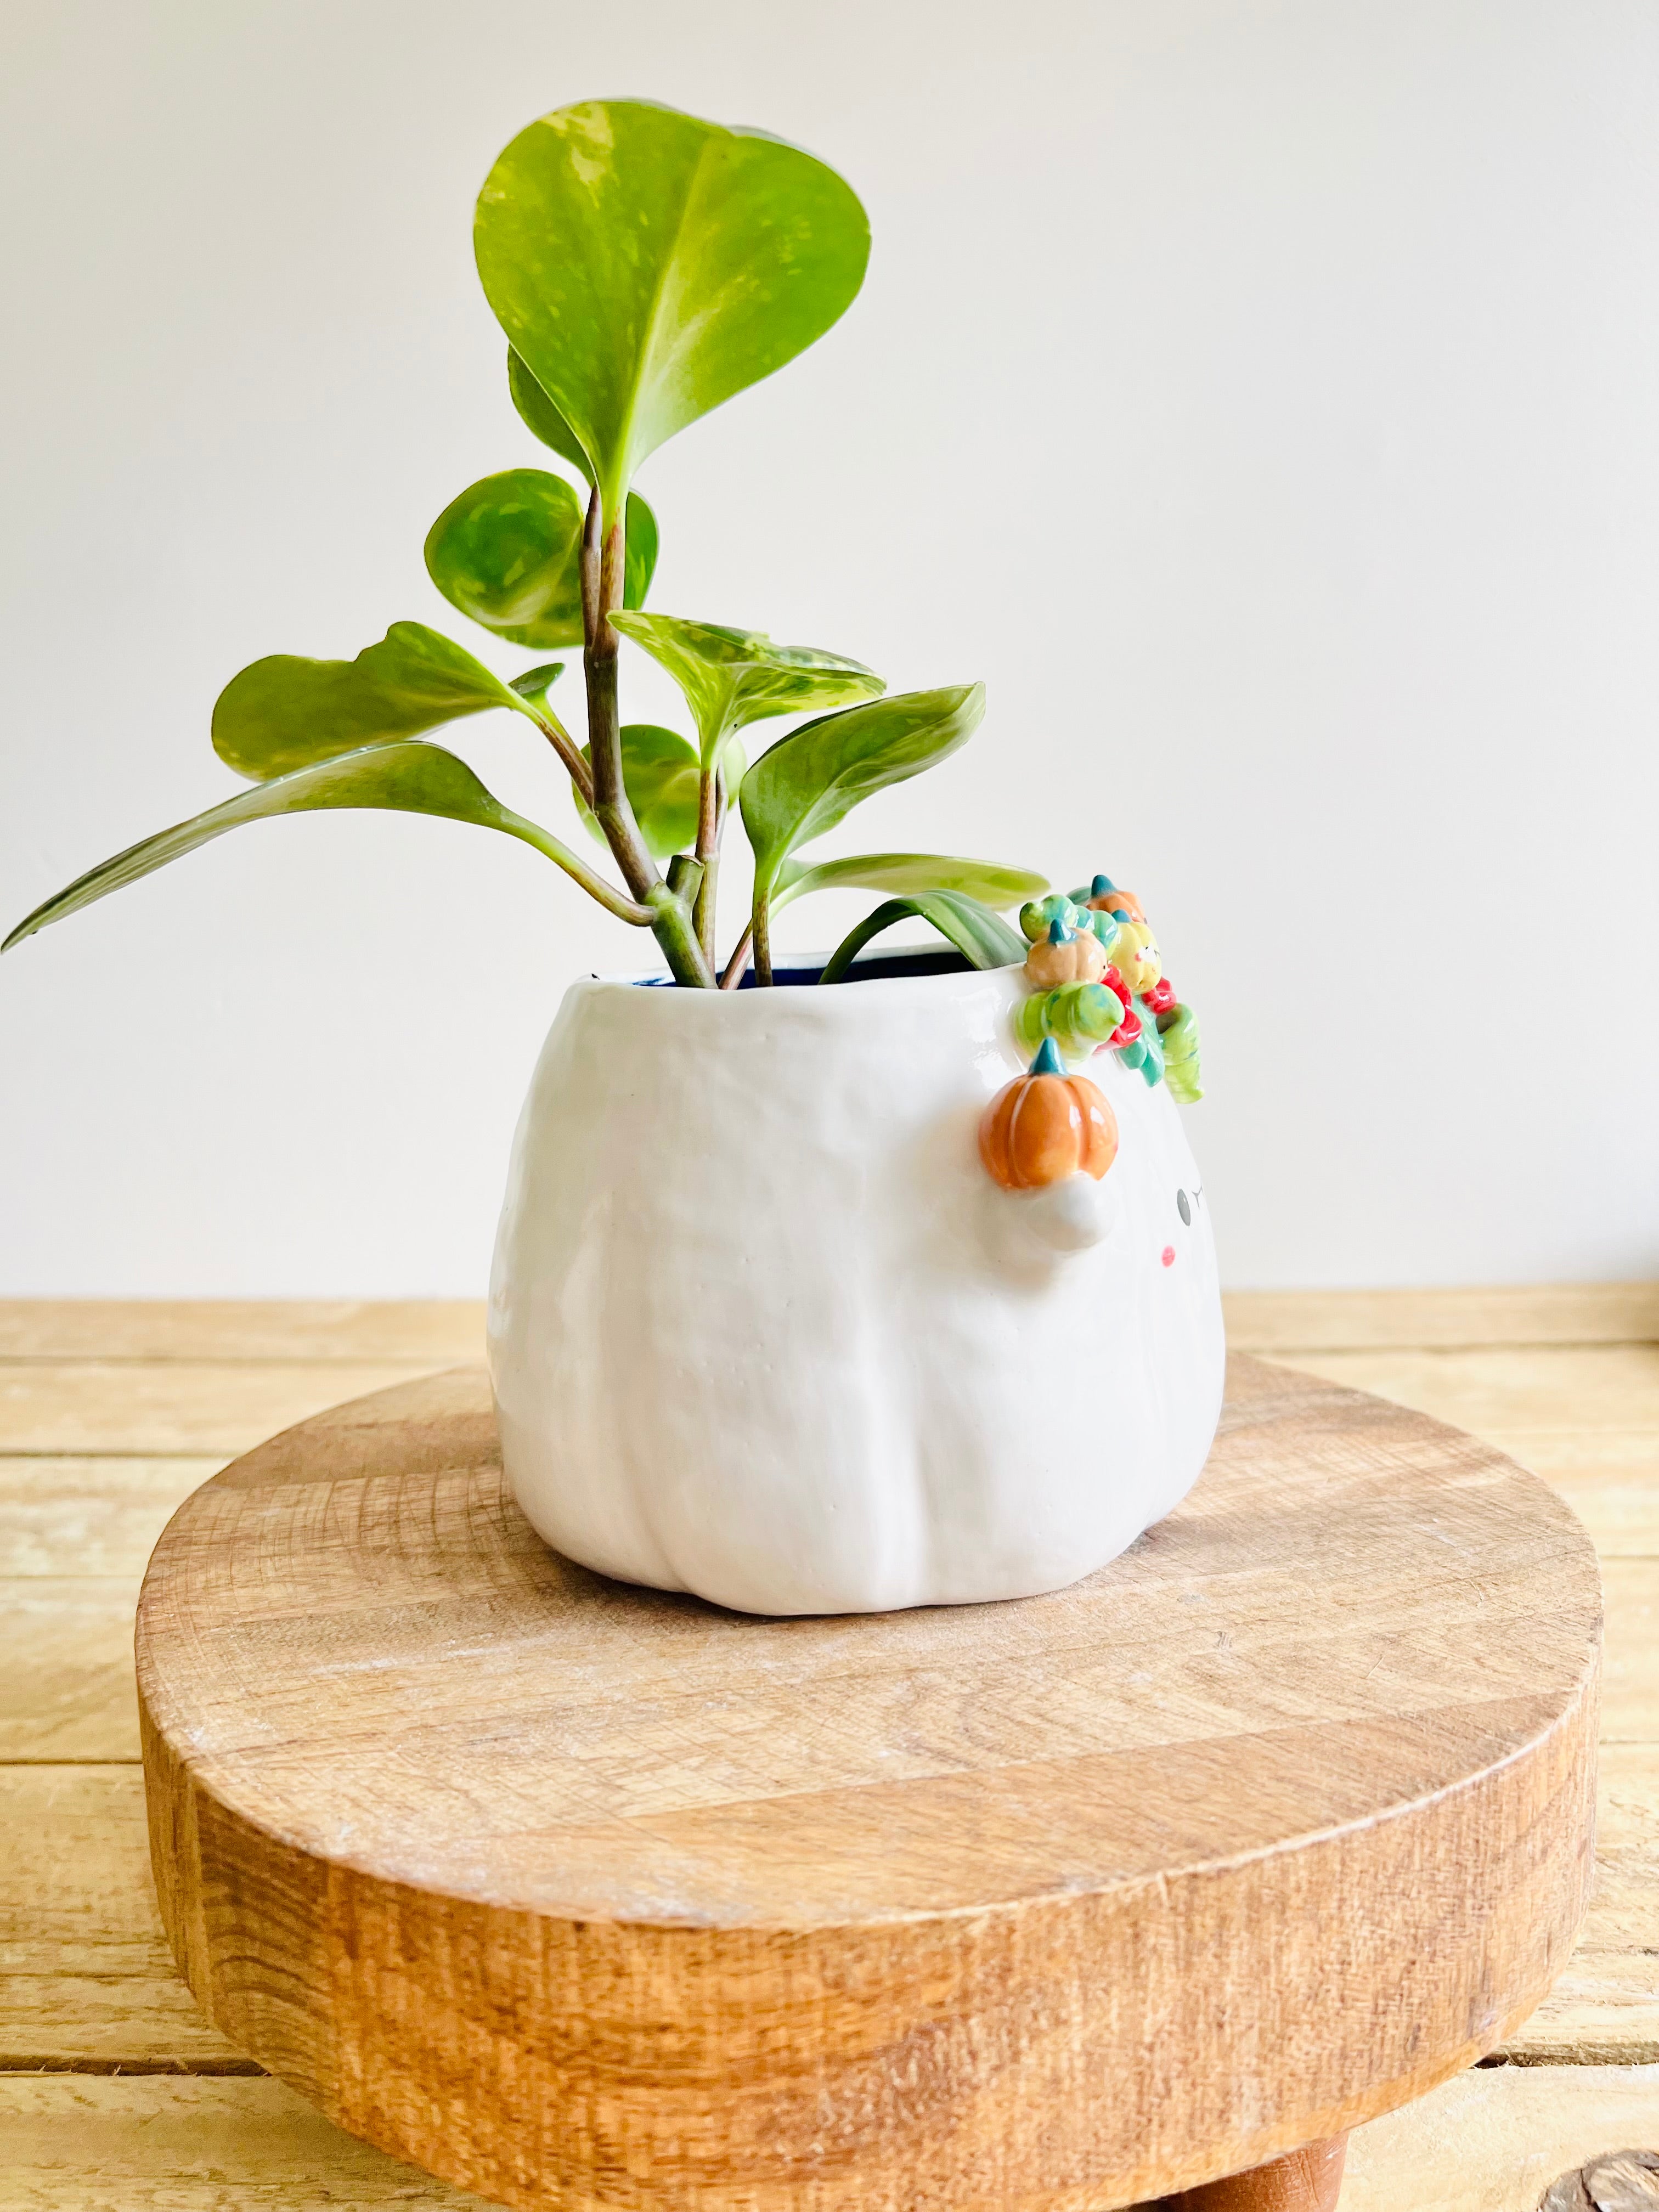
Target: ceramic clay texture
{"type": "Point", "coordinates": [762, 1327]}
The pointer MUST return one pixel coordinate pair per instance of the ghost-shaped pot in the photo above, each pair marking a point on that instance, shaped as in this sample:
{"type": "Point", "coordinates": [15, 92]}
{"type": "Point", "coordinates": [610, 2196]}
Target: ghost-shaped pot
{"type": "Point", "coordinates": [762, 1328]}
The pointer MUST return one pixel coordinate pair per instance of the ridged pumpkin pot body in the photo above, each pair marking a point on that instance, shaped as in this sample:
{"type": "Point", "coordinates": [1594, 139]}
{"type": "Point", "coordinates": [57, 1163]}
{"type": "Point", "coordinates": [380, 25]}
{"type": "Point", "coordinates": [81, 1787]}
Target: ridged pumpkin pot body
{"type": "Point", "coordinates": [762, 1328]}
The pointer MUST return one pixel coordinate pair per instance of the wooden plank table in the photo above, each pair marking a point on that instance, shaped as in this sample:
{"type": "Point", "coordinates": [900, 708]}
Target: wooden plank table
{"type": "Point", "coordinates": [115, 2092]}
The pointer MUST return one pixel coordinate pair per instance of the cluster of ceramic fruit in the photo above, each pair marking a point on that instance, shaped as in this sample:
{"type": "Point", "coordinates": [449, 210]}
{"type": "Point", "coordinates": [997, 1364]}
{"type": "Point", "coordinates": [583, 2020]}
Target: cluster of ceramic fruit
{"type": "Point", "coordinates": [1098, 984]}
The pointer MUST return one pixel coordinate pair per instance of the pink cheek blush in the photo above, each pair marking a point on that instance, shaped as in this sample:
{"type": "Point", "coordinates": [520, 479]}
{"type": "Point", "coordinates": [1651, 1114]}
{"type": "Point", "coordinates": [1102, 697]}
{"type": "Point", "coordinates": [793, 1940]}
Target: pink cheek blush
{"type": "Point", "coordinates": [1169, 1255]}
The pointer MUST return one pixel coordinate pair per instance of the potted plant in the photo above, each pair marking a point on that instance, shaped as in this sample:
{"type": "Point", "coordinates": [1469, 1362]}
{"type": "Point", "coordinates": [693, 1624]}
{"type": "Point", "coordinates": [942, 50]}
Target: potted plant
{"type": "Point", "coordinates": [806, 1297]}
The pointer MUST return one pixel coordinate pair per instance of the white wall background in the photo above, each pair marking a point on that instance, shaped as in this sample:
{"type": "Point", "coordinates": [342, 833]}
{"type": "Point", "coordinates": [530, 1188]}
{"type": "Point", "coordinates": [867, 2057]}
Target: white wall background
{"type": "Point", "coordinates": [1263, 398]}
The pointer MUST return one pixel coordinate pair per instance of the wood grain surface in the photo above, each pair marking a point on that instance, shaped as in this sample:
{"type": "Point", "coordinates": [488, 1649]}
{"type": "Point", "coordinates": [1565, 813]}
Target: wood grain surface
{"type": "Point", "coordinates": [1289, 1324]}
{"type": "Point", "coordinates": [202, 2144]}
{"type": "Point", "coordinates": [87, 1983]}
{"type": "Point", "coordinates": [178, 1408]}
{"type": "Point", "coordinates": [579, 1895]}
{"type": "Point", "coordinates": [1604, 2006]}
{"type": "Point", "coordinates": [103, 1514]}
{"type": "Point", "coordinates": [1507, 1387]}
{"type": "Point", "coordinates": [1490, 2140]}
{"type": "Point", "coordinates": [1498, 2139]}
{"type": "Point", "coordinates": [66, 1688]}
{"type": "Point", "coordinates": [420, 1333]}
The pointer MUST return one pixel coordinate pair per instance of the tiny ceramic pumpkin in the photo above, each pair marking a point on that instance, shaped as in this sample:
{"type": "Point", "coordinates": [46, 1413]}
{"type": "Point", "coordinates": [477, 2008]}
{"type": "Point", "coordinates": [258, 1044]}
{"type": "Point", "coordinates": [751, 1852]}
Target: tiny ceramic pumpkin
{"type": "Point", "coordinates": [1047, 1124]}
{"type": "Point", "coordinates": [1104, 894]}
{"type": "Point", "coordinates": [1137, 955]}
{"type": "Point", "coordinates": [1065, 955]}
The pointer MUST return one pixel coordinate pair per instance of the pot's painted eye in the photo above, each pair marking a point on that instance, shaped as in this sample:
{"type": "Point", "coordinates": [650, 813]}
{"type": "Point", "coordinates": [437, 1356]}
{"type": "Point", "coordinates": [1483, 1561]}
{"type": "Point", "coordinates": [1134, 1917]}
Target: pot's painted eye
{"type": "Point", "coordinates": [1182, 1208]}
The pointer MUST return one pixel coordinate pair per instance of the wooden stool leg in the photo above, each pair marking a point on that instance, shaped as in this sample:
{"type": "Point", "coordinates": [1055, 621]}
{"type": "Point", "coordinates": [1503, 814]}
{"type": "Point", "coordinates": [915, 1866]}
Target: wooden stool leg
{"type": "Point", "coordinates": [1306, 2181]}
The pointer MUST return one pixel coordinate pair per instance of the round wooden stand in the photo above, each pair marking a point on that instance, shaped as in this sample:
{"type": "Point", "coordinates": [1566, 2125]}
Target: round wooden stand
{"type": "Point", "coordinates": [581, 1895]}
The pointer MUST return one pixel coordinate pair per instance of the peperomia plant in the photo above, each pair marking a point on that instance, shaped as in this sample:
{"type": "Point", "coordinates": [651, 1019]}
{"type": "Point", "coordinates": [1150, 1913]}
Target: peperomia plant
{"type": "Point", "coordinates": [645, 266]}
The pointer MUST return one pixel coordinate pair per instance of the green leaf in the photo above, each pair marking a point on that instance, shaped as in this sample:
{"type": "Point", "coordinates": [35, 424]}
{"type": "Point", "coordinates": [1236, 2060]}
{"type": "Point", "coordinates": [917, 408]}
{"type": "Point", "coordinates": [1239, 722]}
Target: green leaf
{"type": "Point", "coordinates": [983, 938]}
{"type": "Point", "coordinates": [639, 552]}
{"type": "Point", "coordinates": [984, 881]}
{"type": "Point", "coordinates": [508, 553]}
{"type": "Point", "coordinates": [542, 418]}
{"type": "Point", "coordinates": [732, 678]}
{"type": "Point", "coordinates": [659, 774]}
{"type": "Point", "coordinates": [536, 682]}
{"type": "Point", "coordinates": [646, 265]}
{"type": "Point", "coordinates": [407, 779]}
{"type": "Point", "coordinates": [808, 781]}
{"type": "Point", "coordinates": [284, 712]}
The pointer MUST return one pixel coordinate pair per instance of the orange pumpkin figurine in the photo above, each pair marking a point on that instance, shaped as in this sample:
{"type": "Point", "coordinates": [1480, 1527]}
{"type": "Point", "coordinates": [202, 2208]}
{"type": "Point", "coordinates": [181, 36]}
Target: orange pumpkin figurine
{"type": "Point", "coordinates": [1065, 955]}
{"type": "Point", "coordinates": [1104, 894]}
{"type": "Point", "coordinates": [1047, 1124]}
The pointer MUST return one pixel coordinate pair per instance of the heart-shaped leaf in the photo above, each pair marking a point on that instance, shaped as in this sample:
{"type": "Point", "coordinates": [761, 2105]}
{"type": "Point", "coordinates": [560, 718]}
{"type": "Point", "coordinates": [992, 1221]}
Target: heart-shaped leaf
{"type": "Point", "coordinates": [659, 774]}
{"type": "Point", "coordinates": [406, 779]}
{"type": "Point", "coordinates": [508, 553]}
{"type": "Point", "coordinates": [983, 937]}
{"type": "Point", "coordinates": [732, 678]}
{"type": "Point", "coordinates": [984, 881]}
{"type": "Point", "coordinates": [541, 418]}
{"type": "Point", "coordinates": [284, 712]}
{"type": "Point", "coordinates": [808, 781]}
{"type": "Point", "coordinates": [646, 265]}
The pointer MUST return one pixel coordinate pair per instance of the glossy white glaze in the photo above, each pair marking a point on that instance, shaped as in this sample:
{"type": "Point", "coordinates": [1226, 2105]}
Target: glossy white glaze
{"type": "Point", "coordinates": [762, 1327]}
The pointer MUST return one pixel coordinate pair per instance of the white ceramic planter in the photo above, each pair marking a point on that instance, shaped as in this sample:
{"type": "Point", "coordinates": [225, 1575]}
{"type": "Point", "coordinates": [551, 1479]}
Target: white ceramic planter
{"type": "Point", "coordinates": [762, 1328]}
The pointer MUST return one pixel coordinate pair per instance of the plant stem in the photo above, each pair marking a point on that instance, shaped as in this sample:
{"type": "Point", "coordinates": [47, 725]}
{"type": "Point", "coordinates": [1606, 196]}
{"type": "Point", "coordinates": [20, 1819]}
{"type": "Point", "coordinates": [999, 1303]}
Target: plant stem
{"type": "Point", "coordinates": [763, 929]}
{"type": "Point", "coordinates": [602, 578]}
{"type": "Point", "coordinates": [739, 960]}
{"type": "Point", "coordinates": [613, 900]}
{"type": "Point", "coordinates": [711, 820]}
{"type": "Point", "coordinates": [676, 932]}
{"type": "Point", "coordinates": [602, 592]}
{"type": "Point", "coordinates": [568, 752]}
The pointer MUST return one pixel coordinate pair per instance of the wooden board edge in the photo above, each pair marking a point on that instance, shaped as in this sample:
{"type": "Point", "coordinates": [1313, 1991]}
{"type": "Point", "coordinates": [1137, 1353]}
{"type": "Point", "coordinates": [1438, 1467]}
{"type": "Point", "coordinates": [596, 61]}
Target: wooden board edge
{"type": "Point", "coordinates": [314, 2061]}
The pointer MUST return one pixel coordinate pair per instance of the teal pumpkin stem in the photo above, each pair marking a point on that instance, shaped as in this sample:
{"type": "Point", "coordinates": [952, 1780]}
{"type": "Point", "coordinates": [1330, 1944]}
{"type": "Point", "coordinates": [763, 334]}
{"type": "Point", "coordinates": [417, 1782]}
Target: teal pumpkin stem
{"type": "Point", "coordinates": [1047, 1060]}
